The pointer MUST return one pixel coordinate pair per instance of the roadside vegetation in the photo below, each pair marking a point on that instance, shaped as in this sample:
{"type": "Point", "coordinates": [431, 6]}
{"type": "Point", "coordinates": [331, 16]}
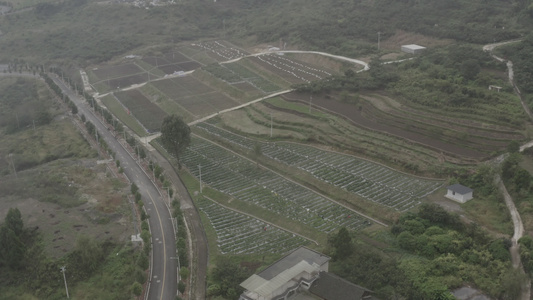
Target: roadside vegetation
{"type": "Point", "coordinates": [59, 207]}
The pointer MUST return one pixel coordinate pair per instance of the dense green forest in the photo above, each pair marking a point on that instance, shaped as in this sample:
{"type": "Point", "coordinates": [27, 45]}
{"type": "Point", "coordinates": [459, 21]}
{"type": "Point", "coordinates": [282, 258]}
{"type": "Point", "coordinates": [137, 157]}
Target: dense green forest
{"type": "Point", "coordinates": [438, 253]}
{"type": "Point", "coordinates": [339, 27]}
{"type": "Point", "coordinates": [349, 27]}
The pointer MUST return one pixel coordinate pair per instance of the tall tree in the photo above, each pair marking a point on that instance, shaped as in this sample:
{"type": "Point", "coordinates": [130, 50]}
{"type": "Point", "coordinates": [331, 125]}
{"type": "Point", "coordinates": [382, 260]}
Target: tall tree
{"type": "Point", "coordinates": [228, 275]}
{"type": "Point", "coordinates": [175, 135]}
{"type": "Point", "coordinates": [14, 221]}
{"type": "Point", "coordinates": [342, 242]}
{"type": "Point", "coordinates": [12, 250]}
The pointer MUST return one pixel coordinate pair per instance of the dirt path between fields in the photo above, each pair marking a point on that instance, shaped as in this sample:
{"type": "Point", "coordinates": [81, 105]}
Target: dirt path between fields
{"type": "Point", "coordinates": [518, 232]}
{"type": "Point", "coordinates": [515, 216]}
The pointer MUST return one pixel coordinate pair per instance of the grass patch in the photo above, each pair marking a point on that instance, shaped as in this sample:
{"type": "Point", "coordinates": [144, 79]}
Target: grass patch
{"type": "Point", "coordinates": [298, 107]}
{"type": "Point", "coordinates": [490, 213]}
{"type": "Point", "coordinates": [115, 278]}
{"type": "Point", "coordinates": [121, 113]}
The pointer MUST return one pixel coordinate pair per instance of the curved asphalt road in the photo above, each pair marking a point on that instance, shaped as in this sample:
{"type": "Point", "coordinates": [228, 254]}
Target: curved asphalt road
{"type": "Point", "coordinates": [163, 280]}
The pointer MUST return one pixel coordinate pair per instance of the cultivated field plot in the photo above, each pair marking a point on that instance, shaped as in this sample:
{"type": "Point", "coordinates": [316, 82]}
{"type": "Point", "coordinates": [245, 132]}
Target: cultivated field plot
{"type": "Point", "coordinates": [176, 57]}
{"type": "Point", "coordinates": [109, 72]}
{"type": "Point", "coordinates": [241, 234]}
{"type": "Point", "coordinates": [244, 180]}
{"type": "Point", "coordinates": [368, 180]}
{"type": "Point", "coordinates": [126, 81]}
{"type": "Point", "coordinates": [220, 50]}
{"type": "Point", "coordinates": [172, 65]}
{"type": "Point", "coordinates": [235, 73]}
{"type": "Point", "coordinates": [290, 69]}
{"type": "Point", "coordinates": [194, 96]}
{"type": "Point", "coordinates": [182, 67]}
{"type": "Point", "coordinates": [178, 87]}
{"type": "Point", "coordinates": [147, 113]}
{"type": "Point", "coordinates": [155, 61]}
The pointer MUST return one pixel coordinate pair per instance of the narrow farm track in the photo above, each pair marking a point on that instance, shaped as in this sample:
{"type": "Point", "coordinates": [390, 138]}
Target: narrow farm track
{"type": "Point", "coordinates": [515, 216]}
{"type": "Point", "coordinates": [489, 48]}
{"type": "Point", "coordinates": [518, 233]}
{"type": "Point", "coordinates": [366, 67]}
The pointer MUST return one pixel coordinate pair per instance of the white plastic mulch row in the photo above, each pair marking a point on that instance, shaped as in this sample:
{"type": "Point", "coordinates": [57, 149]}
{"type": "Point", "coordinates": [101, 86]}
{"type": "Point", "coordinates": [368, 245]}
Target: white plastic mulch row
{"type": "Point", "coordinates": [221, 50]}
{"type": "Point", "coordinates": [247, 182]}
{"type": "Point", "coordinates": [241, 234]}
{"type": "Point", "coordinates": [369, 180]}
{"type": "Point", "coordinates": [295, 69]}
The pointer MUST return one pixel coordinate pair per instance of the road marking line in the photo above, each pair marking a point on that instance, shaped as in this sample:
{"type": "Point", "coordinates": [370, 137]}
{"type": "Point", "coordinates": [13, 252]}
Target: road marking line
{"type": "Point", "coordinates": [164, 248]}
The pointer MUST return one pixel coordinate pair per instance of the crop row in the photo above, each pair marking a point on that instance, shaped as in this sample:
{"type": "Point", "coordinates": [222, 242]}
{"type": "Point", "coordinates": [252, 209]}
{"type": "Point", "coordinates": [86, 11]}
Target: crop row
{"type": "Point", "coordinates": [241, 234]}
{"type": "Point", "coordinates": [366, 179]}
{"type": "Point", "coordinates": [147, 113]}
{"type": "Point", "coordinates": [235, 73]}
{"type": "Point", "coordinates": [221, 50]}
{"type": "Point", "coordinates": [292, 68]}
{"type": "Point", "coordinates": [244, 180]}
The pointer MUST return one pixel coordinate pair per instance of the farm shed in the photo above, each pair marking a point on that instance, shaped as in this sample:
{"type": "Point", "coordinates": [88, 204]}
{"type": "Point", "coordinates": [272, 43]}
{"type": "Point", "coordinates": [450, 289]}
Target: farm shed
{"type": "Point", "coordinates": [285, 277]}
{"type": "Point", "coordinates": [301, 271]}
{"type": "Point", "coordinates": [459, 193]}
{"type": "Point", "coordinates": [413, 49]}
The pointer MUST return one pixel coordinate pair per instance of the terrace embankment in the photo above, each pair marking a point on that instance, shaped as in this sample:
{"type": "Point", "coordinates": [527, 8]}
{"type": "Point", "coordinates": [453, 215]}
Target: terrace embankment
{"type": "Point", "coordinates": [462, 140]}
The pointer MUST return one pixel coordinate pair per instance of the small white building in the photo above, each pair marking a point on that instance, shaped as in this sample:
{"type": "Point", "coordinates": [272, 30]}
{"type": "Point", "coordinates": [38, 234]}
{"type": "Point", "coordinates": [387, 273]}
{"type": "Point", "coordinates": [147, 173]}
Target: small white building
{"type": "Point", "coordinates": [459, 193]}
{"type": "Point", "coordinates": [413, 49]}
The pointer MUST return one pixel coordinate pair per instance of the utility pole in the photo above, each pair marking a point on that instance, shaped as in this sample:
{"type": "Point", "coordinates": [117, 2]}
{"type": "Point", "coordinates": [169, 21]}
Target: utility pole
{"type": "Point", "coordinates": [65, 279]}
{"type": "Point", "coordinates": [379, 38]}
{"type": "Point", "coordinates": [13, 164]}
{"type": "Point", "coordinates": [200, 169]}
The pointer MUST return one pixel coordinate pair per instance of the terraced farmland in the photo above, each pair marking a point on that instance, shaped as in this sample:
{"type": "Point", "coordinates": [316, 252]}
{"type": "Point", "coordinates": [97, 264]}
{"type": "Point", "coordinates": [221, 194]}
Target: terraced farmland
{"type": "Point", "coordinates": [109, 72]}
{"type": "Point", "coordinates": [146, 112]}
{"type": "Point", "coordinates": [289, 69]}
{"type": "Point", "coordinates": [366, 179]}
{"type": "Point", "coordinates": [234, 73]}
{"type": "Point", "coordinates": [241, 234]}
{"type": "Point", "coordinates": [194, 96]}
{"type": "Point", "coordinates": [220, 51]}
{"type": "Point", "coordinates": [244, 180]}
